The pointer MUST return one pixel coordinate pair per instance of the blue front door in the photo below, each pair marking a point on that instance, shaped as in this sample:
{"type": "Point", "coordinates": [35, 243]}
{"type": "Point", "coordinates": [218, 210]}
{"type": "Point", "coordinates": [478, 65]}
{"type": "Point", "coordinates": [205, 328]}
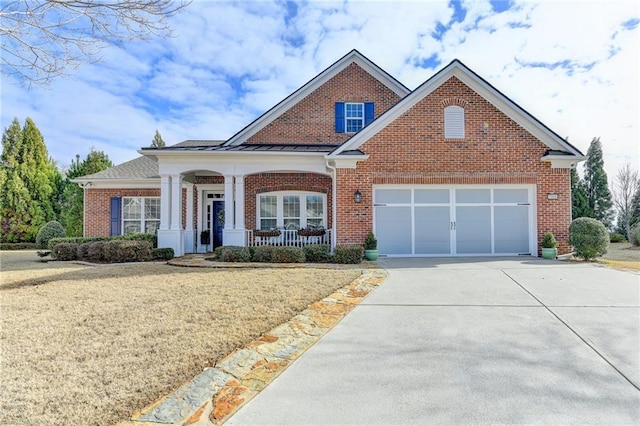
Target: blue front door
{"type": "Point", "coordinates": [218, 222]}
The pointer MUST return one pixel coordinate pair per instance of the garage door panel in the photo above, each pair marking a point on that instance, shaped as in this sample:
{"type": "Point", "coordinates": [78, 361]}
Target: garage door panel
{"type": "Point", "coordinates": [393, 229]}
{"type": "Point", "coordinates": [393, 196]}
{"type": "Point", "coordinates": [432, 230]}
{"type": "Point", "coordinates": [511, 229]}
{"type": "Point", "coordinates": [473, 229]}
{"type": "Point", "coordinates": [431, 196]}
{"type": "Point", "coordinates": [510, 195]}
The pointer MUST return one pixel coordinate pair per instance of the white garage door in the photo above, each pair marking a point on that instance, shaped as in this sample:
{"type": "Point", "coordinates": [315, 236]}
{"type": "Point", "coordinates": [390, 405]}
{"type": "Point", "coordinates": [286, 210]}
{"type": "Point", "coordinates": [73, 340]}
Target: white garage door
{"type": "Point", "coordinates": [461, 220]}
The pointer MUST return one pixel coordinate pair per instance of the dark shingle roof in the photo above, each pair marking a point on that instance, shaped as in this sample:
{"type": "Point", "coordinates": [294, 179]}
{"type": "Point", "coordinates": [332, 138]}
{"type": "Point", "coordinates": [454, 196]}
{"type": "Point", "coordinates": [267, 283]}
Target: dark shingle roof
{"type": "Point", "coordinates": [138, 168]}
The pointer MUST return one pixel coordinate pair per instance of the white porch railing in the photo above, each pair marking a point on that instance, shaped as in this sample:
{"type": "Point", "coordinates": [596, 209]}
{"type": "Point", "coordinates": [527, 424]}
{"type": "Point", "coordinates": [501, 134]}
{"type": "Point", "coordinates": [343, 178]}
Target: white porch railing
{"type": "Point", "coordinates": [288, 238]}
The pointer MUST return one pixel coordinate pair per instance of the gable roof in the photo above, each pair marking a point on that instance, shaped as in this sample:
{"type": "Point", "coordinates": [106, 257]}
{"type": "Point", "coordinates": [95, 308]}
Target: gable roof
{"type": "Point", "coordinates": [352, 57]}
{"type": "Point", "coordinates": [138, 168]}
{"type": "Point", "coordinates": [463, 73]}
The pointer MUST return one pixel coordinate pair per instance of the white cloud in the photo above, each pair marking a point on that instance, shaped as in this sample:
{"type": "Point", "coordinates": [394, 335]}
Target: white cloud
{"type": "Point", "coordinates": [571, 64]}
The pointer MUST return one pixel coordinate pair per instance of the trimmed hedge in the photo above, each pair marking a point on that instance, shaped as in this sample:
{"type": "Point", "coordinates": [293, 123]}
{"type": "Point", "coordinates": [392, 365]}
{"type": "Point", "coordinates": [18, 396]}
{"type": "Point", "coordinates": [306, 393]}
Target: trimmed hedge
{"type": "Point", "coordinates": [151, 238]}
{"type": "Point", "coordinates": [119, 251]}
{"type": "Point", "coordinates": [95, 251]}
{"type": "Point", "coordinates": [263, 254]}
{"type": "Point", "coordinates": [317, 253]}
{"type": "Point", "coordinates": [65, 251]}
{"type": "Point", "coordinates": [588, 237]}
{"type": "Point", "coordinates": [615, 237]}
{"type": "Point", "coordinates": [287, 255]}
{"type": "Point", "coordinates": [165, 253]}
{"type": "Point", "coordinates": [235, 254]}
{"type": "Point", "coordinates": [78, 240]}
{"type": "Point", "coordinates": [18, 246]}
{"type": "Point", "coordinates": [49, 230]}
{"type": "Point", "coordinates": [348, 254]}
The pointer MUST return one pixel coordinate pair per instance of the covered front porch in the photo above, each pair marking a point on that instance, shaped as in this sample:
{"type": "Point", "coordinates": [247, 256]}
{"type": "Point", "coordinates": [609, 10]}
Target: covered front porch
{"type": "Point", "coordinates": [214, 198]}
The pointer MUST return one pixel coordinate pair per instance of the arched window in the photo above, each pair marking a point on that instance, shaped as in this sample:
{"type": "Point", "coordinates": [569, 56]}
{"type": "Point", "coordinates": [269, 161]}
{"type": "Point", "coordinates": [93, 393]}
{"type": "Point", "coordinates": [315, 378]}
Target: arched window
{"type": "Point", "coordinates": [454, 122]}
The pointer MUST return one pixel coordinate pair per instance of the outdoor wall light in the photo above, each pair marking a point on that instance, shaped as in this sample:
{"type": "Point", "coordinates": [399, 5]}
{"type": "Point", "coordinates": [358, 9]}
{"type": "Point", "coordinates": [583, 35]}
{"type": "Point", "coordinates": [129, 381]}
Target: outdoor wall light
{"type": "Point", "coordinates": [357, 196]}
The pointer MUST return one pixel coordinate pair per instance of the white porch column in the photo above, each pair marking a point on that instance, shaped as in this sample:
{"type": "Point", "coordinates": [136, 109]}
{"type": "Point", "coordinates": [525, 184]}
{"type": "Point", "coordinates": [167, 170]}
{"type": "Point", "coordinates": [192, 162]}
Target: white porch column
{"type": "Point", "coordinates": [239, 202]}
{"type": "Point", "coordinates": [189, 236]}
{"type": "Point", "coordinates": [165, 202]}
{"type": "Point", "coordinates": [233, 233]}
{"type": "Point", "coordinates": [229, 223]}
{"type": "Point", "coordinates": [176, 202]}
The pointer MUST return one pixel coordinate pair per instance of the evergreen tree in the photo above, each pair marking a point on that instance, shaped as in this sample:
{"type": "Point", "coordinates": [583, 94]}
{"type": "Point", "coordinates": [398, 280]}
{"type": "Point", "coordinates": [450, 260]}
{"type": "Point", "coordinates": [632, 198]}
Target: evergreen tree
{"type": "Point", "coordinates": [157, 141]}
{"type": "Point", "coordinates": [635, 208]}
{"type": "Point", "coordinates": [598, 194]}
{"type": "Point", "coordinates": [579, 205]}
{"type": "Point", "coordinates": [73, 198]}
{"type": "Point", "coordinates": [28, 183]}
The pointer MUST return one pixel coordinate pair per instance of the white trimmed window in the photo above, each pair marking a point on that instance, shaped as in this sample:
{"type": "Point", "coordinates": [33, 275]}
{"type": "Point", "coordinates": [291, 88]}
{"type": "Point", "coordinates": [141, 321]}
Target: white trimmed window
{"type": "Point", "coordinates": [291, 210]}
{"type": "Point", "coordinates": [140, 214]}
{"type": "Point", "coordinates": [354, 117]}
{"type": "Point", "coordinates": [454, 122]}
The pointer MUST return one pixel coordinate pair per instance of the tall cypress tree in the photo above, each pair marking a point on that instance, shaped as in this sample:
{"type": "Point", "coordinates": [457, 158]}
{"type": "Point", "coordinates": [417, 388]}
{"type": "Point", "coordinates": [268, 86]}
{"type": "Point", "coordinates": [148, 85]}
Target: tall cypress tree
{"type": "Point", "coordinates": [598, 193]}
{"type": "Point", "coordinates": [73, 199]}
{"type": "Point", "coordinates": [157, 141]}
{"type": "Point", "coordinates": [579, 204]}
{"type": "Point", "coordinates": [29, 183]}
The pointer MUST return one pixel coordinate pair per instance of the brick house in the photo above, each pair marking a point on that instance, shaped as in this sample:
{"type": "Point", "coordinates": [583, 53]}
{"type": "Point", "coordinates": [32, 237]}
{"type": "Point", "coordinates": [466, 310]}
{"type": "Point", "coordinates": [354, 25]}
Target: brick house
{"type": "Point", "coordinates": [453, 167]}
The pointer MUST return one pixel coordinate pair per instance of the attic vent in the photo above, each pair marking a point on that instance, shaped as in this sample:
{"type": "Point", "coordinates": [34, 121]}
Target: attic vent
{"type": "Point", "coordinates": [454, 122]}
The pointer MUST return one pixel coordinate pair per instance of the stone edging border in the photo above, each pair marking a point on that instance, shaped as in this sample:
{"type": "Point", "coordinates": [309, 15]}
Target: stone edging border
{"type": "Point", "coordinates": [215, 394]}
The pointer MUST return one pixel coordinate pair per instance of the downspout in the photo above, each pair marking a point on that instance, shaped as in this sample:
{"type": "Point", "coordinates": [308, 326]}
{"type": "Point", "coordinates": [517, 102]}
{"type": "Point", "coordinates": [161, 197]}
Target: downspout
{"type": "Point", "coordinates": [334, 214]}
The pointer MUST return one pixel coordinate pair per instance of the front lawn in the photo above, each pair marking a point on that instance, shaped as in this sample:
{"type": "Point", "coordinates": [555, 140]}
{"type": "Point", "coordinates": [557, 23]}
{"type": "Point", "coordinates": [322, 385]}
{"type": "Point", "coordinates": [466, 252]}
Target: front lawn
{"type": "Point", "coordinates": [90, 345]}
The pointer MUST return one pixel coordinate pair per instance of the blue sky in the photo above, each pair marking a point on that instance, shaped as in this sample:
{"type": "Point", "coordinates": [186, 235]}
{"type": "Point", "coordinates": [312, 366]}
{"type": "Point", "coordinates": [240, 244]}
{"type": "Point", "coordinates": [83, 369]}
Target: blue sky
{"type": "Point", "coordinates": [572, 64]}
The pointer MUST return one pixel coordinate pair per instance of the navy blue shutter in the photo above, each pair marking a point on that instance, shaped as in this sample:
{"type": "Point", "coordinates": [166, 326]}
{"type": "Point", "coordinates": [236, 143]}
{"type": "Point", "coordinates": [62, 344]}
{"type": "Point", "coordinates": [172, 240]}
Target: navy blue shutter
{"type": "Point", "coordinates": [369, 112]}
{"type": "Point", "coordinates": [116, 209]}
{"type": "Point", "coordinates": [339, 117]}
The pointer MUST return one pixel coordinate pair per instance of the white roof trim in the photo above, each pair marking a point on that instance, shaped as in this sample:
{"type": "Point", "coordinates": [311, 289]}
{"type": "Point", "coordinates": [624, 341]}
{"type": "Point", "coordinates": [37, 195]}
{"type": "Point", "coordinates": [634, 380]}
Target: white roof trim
{"type": "Point", "coordinates": [352, 57]}
{"type": "Point", "coordinates": [490, 94]}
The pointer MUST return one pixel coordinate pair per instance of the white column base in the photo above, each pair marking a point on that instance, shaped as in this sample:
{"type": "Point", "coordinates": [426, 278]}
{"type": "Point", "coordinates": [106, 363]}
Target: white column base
{"type": "Point", "coordinates": [234, 237]}
{"type": "Point", "coordinates": [173, 239]}
{"type": "Point", "coordinates": [189, 241]}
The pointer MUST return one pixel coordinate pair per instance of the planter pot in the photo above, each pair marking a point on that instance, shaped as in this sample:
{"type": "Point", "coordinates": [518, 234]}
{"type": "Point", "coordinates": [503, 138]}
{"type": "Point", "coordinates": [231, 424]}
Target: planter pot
{"type": "Point", "coordinates": [371, 254]}
{"type": "Point", "coordinates": [549, 253]}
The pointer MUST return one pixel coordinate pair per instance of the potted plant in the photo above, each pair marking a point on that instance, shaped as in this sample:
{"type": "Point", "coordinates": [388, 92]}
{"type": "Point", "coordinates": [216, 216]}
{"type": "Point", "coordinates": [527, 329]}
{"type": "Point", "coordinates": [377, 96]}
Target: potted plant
{"type": "Point", "coordinates": [371, 247]}
{"type": "Point", "coordinates": [549, 246]}
{"type": "Point", "coordinates": [205, 237]}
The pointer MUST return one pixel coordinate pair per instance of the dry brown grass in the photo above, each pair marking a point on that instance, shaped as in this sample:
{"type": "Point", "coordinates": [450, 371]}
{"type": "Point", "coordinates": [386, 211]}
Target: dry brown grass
{"type": "Point", "coordinates": [622, 256]}
{"type": "Point", "coordinates": [90, 345]}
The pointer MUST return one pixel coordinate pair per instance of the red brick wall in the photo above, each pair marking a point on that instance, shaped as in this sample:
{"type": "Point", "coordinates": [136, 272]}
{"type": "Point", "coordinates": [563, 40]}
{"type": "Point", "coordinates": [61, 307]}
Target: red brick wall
{"type": "Point", "coordinates": [412, 149]}
{"type": "Point", "coordinates": [269, 182]}
{"type": "Point", "coordinates": [312, 119]}
{"type": "Point", "coordinates": [98, 207]}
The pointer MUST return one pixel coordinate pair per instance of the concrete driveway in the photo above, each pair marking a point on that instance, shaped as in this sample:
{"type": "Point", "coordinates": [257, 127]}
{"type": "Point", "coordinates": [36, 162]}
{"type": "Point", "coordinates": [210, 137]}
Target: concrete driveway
{"type": "Point", "coordinates": [472, 341]}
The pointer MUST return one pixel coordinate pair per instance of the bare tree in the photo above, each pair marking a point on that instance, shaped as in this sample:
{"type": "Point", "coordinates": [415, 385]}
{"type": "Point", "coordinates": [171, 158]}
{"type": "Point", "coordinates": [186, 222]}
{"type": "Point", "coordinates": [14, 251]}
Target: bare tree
{"type": "Point", "coordinates": [625, 186]}
{"type": "Point", "coordinates": [43, 39]}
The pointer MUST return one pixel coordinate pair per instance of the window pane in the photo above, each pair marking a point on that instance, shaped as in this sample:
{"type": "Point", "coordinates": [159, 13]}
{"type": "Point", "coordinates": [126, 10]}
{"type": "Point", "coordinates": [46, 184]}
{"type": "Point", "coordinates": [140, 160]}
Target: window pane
{"type": "Point", "coordinates": [292, 224]}
{"type": "Point", "coordinates": [268, 206]}
{"type": "Point", "coordinates": [268, 223]}
{"type": "Point", "coordinates": [473, 195]}
{"type": "Point", "coordinates": [393, 196]}
{"type": "Point", "coordinates": [131, 227]}
{"type": "Point", "coordinates": [316, 223]}
{"type": "Point", "coordinates": [354, 126]}
{"type": "Point", "coordinates": [291, 206]}
{"type": "Point", "coordinates": [151, 226]}
{"type": "Point", "coordinates": [354, 115]}
{"type": "Point", "coordinates": [315, 208]}
{"type": "Point", "coordinates": [511, 196]}
{"type": "Point", "coordinates": [131, 208]}
{"type": "Point", "coordinates": [440, 196]}
{"type": "Point", "coordinates": [152, 208]}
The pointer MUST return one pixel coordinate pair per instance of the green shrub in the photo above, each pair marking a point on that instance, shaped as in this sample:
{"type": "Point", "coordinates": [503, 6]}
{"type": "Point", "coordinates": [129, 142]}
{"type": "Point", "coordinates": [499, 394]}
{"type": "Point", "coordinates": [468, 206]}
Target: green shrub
{"type": "Point", "coordinates": [287, 255]}
{"type": "Point", "coordinates": [348, 254]}
{"type": "Point", "coordinates": [235, 254]}
{"type": "Point", "coordinates": [49, 230]}
{"type": "Point", "coordinates": [95, 253]}
{"type": "Point", "coordinates": [370, 243]}
{"type": "Point", "coordinates": [588, 237]}
{"type": "Point", "coordinates": [615, 237]}
{"type": "Point", "coordinates": [119, 251]}
{"type": "Point", "coordinates": [217, 252]}
{"type": "Point", "coordinates": [165, 253]}
{"type": "Point", "coordinates": [18, 246]}
{"type": "Point", "coordinates": [317, 253]}
{"type": "Point", "coordinates": [83, 251]}
{"type": "Point", "coordinates": [152, 238]}
{"type": "Point", "coordinates": [65, 251]}
{"type": "Point", "coordinates": [79, 240]}
{"type": "Point", "coordinates": [263, 254]}
{"type": "Point", "coordinates": [549, 241]}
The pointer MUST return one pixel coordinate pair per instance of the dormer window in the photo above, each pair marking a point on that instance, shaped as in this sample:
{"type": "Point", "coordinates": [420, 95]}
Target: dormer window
{"type": "Point", "coordinates": [454, 122]}
{"type": "Point", "coordinates": [351, 117]}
